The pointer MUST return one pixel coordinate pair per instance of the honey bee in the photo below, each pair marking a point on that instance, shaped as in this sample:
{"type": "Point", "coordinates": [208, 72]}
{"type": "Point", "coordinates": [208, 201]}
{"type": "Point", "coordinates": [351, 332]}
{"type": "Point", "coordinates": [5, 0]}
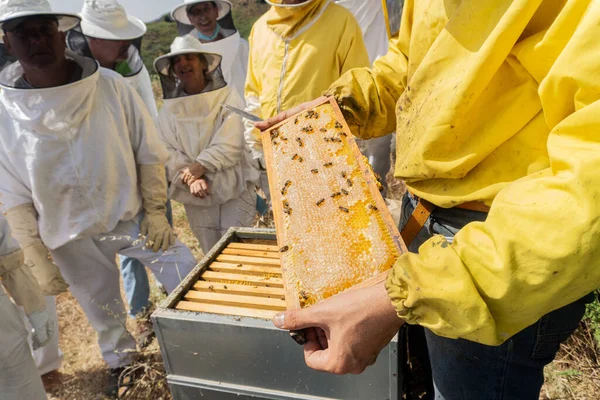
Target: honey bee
{"type": "Point", "coordinates": [211, 287]}
{"type": "Point", "coordinates": [345, 192]}
{"type": "Point", "coordinates": [314, 171]}
{"type": "Point", "coordinates": [344, 175]}
{"type": "Point", "coordinates": [349, 182]}
{"type": "Point", "coordinates": [344, 209]}
{"type": "Point", "coordinates": [296, 121]}
{"type": "Point", "coordinates": [285, 187]}
{"type": "Point", "coordinates": [283, 138]}
{"type": "Point", "coordinates": [323, 130]}
{"type": "Point", "coordinates": [308, 129]}
{"type": "Point", "coordinates": [274, 133]}
{"type": "Point", "coordinates": [300, 159]}
{"type": "Point", "coordinates": [312, 114]}
{"type": "Point", "coordinates": [328, 164]}
{"type": "Point", "coordinates": [288, 211]}
{"type": "Point", "coordinates": [295, 157]}
{"type": "Point", "coordinates": [338, 125]}
{"type": "Point", "coordinates": [344, 134]}
{"type": "Point", "coordinates": [336, 194]}
{"type": "Point", "coordinates": [300, 142]}
{"type": "Point", "coordinates": [320, 202]}
{"type": "Point", "coordinates": [304, 295]}
{"type": "Point", "coordinates": [284, 249]}
{"type": "Point", "coordinates": [372, 207]}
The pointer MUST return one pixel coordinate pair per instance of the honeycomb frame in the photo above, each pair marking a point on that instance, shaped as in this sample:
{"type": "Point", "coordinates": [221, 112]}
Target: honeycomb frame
{"type": "Point", "coordinates": [359, 175]}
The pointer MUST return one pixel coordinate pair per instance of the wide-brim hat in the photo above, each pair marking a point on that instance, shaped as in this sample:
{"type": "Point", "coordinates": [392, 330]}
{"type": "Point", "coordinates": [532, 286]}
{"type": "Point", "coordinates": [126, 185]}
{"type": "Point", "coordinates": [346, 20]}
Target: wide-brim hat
{"type": "Point", "coordinates": [186, 45]}
{"type": "Point", "coordinates": [107, 19]}
{"type": "Point", "coordinates": [17, 11]}
{"type": "Point", "coordinates": [179, 13]}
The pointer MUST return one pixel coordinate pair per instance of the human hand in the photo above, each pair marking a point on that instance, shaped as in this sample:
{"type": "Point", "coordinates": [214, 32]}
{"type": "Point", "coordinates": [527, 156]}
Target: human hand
{"type": "Point", "coordinates": [346, 332]}
{"type": "Point", "coordinates": [199, 188]}
{"type": "Point", "coordinates": [192, 172]}
{"type": "Point", "coordinates": [264, 125]}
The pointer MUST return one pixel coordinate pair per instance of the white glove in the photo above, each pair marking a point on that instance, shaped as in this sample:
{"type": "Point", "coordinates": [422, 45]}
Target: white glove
{"type": "Point", "coordinates": [43, 328]}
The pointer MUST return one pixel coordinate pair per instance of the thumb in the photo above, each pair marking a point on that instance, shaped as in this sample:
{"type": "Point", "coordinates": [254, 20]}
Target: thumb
{"type": "Point", "coordinates": [293, 320]}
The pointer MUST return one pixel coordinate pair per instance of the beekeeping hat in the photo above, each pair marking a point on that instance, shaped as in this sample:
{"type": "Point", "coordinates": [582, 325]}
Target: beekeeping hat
{"type": "Point", "coordinates": [14, 12]}
{"type": "Point", "coordinates": [187, 45]}
{"type": "Point", "coordinates": [179, 13]}
{"type": "Point", "coordinates": [107, 19]}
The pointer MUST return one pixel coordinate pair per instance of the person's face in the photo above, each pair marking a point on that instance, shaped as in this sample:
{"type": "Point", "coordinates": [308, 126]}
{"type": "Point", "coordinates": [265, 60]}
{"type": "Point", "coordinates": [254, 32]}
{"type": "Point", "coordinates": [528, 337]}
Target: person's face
{"type": "Point", "coordinates": [189, 69]}
{"type": "Point", "coordinates": [108, 52]}
{"type": "Point", "coordinates": [36, 43]}
{"type": "Point", "coordinates": [204, 17]}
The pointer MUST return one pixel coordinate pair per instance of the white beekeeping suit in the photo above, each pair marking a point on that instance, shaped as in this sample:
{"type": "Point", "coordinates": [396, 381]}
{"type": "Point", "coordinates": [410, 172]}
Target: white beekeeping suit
{"type": "Point", "coordinates": [82, 175]}
{"type": "Point", "coordinates": [370, 17]}
{"type": "Point", "coordinates": [195, 128]}
{"type": "Point", "coordinates": [107, 20]}
{"type": "Point", "coordinates": [232, 47]}
{"type": "Point", "coordinates": [19, 377]}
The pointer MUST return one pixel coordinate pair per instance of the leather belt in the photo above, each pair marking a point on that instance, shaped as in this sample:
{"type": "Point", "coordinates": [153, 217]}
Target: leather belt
{"type": "Point", "coordinates": [423, 211]}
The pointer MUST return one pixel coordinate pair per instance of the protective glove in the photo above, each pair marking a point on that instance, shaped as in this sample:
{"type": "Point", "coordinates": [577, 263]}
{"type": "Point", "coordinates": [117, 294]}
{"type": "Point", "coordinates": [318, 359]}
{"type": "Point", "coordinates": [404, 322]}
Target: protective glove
{"type": "Point", "coordinates": [20, 283]}
{"type": "Point", "coordinates": [155, 226]}
{"type": "Point", "coordinates": [43, 328]}
{"type": "Point", "coordinates": [24, 226]}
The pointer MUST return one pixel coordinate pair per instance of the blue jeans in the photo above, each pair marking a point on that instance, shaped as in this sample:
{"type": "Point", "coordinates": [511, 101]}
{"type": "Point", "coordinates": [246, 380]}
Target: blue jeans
{"type": "Point", "coordinates": [464, 370]}
{"type": "Point", "coordinates": [135, 279]}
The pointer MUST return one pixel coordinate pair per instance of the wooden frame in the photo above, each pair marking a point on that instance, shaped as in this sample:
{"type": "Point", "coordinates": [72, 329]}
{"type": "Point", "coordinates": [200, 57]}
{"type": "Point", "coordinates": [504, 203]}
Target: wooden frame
{"type": "Point", "coordinates": [292, 297]}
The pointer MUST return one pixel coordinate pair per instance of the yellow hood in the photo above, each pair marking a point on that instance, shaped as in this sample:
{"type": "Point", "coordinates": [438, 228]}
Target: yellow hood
{"type": "Point", "coordinates": [286, 21]}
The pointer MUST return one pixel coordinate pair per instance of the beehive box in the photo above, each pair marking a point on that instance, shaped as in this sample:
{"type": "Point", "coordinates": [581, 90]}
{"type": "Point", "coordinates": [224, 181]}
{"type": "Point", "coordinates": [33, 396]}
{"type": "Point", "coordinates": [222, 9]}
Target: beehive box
{"type": "Point", "coordinates": [333, 226]}
{"type": "Point", "coordinates": [227, 348]}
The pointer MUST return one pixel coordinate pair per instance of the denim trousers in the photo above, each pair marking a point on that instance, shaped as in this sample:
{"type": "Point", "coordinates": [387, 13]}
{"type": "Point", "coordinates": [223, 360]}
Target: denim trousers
{"type": "Point", "coordinates": [464, 370]}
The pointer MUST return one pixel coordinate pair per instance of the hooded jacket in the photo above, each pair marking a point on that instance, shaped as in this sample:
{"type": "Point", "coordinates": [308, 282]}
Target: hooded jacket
{"type": "Point", "coordinates": [295, 54]}
{"type": "Point", "coordinates": [196, 128]}
{"type": "Point", "coordinates": [493, 101]}
{"type": "Point", "coordinates": [72, 151]}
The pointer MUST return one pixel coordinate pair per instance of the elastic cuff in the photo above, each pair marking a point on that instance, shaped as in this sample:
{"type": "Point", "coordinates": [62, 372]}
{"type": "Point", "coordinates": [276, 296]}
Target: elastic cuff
{"type": "Point", "coordinates": [398, 292]}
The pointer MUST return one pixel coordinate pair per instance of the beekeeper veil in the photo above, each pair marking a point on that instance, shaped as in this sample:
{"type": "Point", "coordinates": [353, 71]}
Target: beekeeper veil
{"type": "Point", "coordinates": [173, 84]}
{"type": "Point", "coordinates": [196, 17]}
{"type": "Point", "coordinates": [13, 16]}
{"type": "Point", "coordinates": [112, 34]}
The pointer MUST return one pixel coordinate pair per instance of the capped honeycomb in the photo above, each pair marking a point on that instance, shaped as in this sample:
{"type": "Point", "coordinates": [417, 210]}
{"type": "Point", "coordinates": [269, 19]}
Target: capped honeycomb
{"type": "Point", "coordinates": [333, 228]}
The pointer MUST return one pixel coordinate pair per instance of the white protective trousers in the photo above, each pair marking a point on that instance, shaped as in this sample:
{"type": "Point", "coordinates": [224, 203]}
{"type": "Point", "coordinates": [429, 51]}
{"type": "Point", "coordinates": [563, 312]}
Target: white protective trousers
{"type": "Point", "coordinates": [209, 224]}
{"type": "Point", "coordinates": [19, 378]}
{"type": "Point", "coordinates": [88, 265]}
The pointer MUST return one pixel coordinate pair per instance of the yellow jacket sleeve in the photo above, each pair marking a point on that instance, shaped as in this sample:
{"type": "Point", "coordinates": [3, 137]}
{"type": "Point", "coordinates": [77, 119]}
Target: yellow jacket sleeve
{"type": "Point", "coordinates": [352, 51]}
{"type": "Point", "coordinates": [538, 250]}
{"type": "Point", "coordinates": [367, 96]}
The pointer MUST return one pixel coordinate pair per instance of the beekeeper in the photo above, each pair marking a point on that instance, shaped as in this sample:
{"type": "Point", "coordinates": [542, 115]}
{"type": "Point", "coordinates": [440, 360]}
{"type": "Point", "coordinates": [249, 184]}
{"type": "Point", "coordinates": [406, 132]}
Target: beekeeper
{"type": "Point", "coordinates": [371, 17]}
{"type": "Point", "coordinates": [19, 378]}
{"type": "Point", "coordinates": [81, 171]}
{"type": "Point", "coordinates": [208, 168]}
{"type": "Point", "coordinates": [296, 51]}
{"type": "Point", "coordinates": [207, 19]}
{"type": "Point", "coordinates": [115, 38]}
{"type": "Point", "coordinates": [495, 104]}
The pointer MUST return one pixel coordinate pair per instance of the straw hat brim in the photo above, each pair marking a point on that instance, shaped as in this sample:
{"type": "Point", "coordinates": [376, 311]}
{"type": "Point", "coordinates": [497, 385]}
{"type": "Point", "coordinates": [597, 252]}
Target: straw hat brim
{"type": "Point", "coordinates": [179, 13]}
{"type": "Point", "coordinates": [134, 30]}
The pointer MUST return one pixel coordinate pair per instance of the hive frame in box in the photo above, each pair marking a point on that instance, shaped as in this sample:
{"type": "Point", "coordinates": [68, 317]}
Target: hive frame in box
{"type": "Point", "coordinates": [228, 357]}
{"type": "Point", "coordinates": [292, 297]}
